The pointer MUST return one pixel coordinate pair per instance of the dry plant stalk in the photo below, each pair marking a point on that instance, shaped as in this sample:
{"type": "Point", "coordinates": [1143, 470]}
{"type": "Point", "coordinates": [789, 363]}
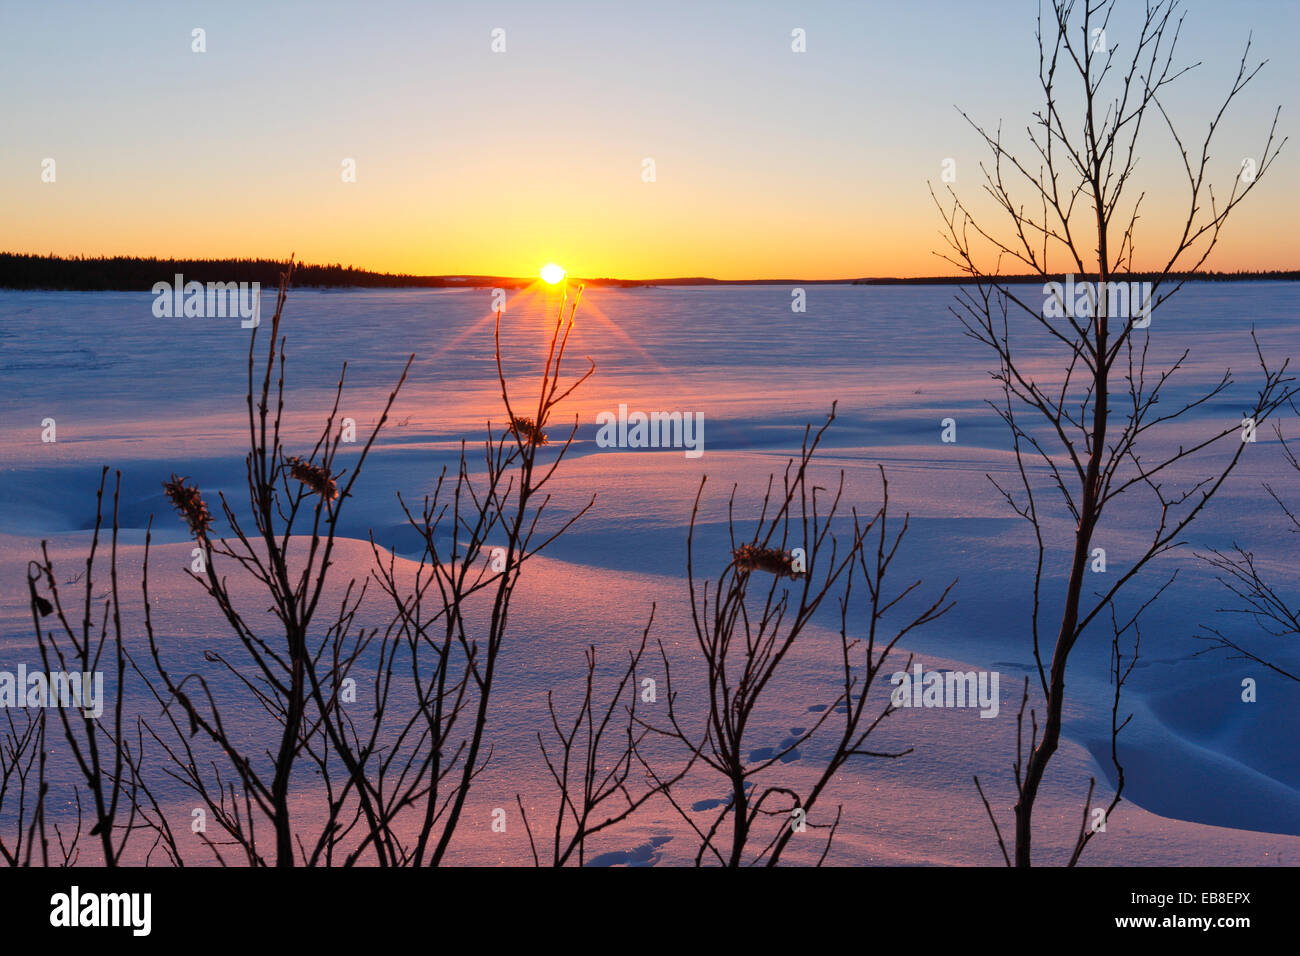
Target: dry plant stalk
{"type": "Point", "coordinates": [526, 430]}
{"type": "Point", "coordinates": [775, 561]}
{"type": "Point", "coordinates": [315, 477]}
{"type": "Point", "coordinates": [189, 503]}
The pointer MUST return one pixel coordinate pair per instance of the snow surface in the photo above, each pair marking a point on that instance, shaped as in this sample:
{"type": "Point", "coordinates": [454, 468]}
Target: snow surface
{"type": "Point", "coordinates": [1210, 779]}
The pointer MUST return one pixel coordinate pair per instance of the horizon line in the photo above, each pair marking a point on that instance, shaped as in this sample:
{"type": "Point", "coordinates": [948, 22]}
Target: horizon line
{"type": "Point", "coordinates": [457, 278]}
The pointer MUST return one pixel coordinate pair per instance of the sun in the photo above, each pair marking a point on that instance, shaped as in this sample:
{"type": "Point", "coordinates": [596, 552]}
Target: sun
{"type": "Point", "coordinates": [551, 273]}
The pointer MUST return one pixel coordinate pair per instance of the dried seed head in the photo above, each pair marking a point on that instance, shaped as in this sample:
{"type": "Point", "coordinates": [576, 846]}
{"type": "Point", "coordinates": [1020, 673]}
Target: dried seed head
{"type": "Point", "coordinates": [187, 500]}
{"type": "Point", "coordinates": [773, 560]}
{"type": "Point", "coordinates": [314, 477]}
{"type": "Point", "coordinates": [526, 431]}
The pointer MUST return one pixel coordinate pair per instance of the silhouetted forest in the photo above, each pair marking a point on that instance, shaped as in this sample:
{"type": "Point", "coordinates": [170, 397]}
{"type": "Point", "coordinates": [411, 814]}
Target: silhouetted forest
{"type": "Point", "coordinates": [137, 274]}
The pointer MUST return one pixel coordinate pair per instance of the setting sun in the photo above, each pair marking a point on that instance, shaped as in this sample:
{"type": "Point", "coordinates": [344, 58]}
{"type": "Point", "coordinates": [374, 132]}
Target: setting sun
{"type": "Point", "coordinates": [551, 273]}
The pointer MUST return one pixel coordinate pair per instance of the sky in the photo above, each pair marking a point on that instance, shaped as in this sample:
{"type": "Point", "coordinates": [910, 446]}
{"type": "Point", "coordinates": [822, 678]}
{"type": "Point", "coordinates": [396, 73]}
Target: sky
{"type": "Point", "coordinates": [766, 162]}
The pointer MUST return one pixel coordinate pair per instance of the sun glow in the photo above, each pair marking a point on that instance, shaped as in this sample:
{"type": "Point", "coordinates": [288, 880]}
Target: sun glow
{"type": "Point", "coordinates": [551, 273]}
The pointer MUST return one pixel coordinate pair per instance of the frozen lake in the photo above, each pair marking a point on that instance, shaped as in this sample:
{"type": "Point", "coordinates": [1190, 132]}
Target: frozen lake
{"type": "Point", "coordinates": [155, 396]}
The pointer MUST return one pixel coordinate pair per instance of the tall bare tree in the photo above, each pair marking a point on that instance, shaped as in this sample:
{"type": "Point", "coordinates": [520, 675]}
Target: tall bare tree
{"type": "Point", "coordinates": [1091, 423]}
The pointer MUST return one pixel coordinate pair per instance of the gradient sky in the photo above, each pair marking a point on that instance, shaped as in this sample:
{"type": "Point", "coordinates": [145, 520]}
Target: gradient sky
{"type": "Point", "coordinates": [768, 163]}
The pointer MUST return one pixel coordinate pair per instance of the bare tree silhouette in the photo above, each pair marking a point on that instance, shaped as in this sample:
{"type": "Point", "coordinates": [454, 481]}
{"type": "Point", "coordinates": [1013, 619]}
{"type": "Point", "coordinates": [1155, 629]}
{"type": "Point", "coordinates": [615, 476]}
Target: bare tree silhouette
{"type": "Point", "coordinates": [24, 791]}
{"type": "Point", "coordinates": [286, 672]}
{"type": "Point", "coordinates": [1071, 203]}
{"type": "Point", "coordinates": [745, 635]}
{"type": "Point", "coordinates": [451, 612]}
{"type": "Point", "coordinates": [591, 761]}
{"type": "Point", "coordinates": [1259, 598]}
{"type": "Point", "coordinates": [105, 758]}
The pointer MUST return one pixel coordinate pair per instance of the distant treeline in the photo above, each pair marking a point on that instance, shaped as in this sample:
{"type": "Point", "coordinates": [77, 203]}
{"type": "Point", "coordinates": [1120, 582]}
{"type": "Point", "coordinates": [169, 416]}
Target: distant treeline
{"type": "Point", "coordinates": [137, 274]}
